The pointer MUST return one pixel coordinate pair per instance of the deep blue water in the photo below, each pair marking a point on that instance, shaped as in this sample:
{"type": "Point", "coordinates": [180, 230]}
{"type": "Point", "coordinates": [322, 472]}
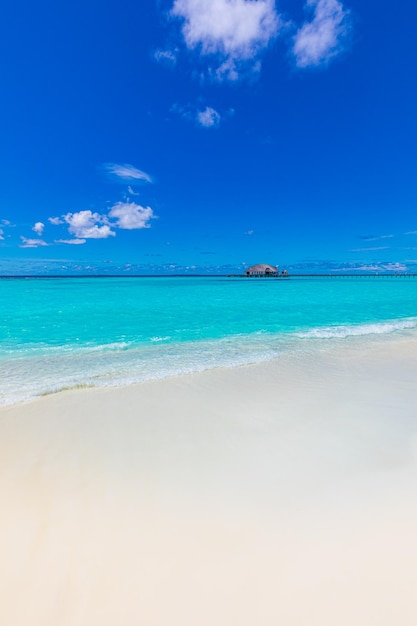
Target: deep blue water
{"type": "Point", "coordinates": [64, 332]}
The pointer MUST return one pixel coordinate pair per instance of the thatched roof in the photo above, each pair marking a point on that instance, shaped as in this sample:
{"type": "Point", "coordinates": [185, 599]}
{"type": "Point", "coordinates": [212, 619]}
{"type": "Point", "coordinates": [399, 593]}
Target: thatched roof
{"type": "Point", "coordinates": [262, 268]}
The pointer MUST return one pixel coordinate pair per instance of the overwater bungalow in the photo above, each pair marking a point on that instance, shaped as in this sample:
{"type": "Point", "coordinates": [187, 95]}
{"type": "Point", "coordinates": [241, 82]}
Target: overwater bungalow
{"type": "Point", "coordinates": [262, 269]}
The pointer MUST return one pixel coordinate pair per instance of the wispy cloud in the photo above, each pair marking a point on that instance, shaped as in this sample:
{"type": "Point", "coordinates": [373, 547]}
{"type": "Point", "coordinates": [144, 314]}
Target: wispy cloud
{"type": "Point", "coordinates": [319, 266]}
{"type": "Point", "coordinates": [38, 228]}
{"type": "Point", "coordinates": [395, 267]}
{"type": "Point", "coordinates": [6, 224]}
{"type": "Point", "coordinates": [375, 237]}
{"type": "Point", "coordinates": [32, 243]}
{"type": "Point", "coordinates": [322, 38]}
{"type": "Point", "coordinates": [411, 232]}
{"type": "Point", "coordinates": [233, 32]}
{"type": "Point", "coordinates": [370, 249]}
{"type": "Point", "coordinates": [73, 242]}
{"type": "Point", "coordinates": [127, 172]}
{"type": "Point", "coordinates": [132, 192]}
{"type": "Point", "coordinates": [381, 267]}
{"type": "Point", "coordinates": [55, 221]}
{"type": "Point", "coordinates": [166, 56]}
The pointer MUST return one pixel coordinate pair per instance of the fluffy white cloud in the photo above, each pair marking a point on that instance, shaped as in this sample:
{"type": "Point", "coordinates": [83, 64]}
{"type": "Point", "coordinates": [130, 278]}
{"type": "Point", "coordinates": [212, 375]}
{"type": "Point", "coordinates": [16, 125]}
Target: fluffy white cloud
{"type": "Point", "coordinates": [55, 220]}
{"type": "Point", "coordinates": [74, 242]}
{"type": "Point", "coordinates": [131, 216]}
{"type": "Point", "coordinates": [32, 243]}
{"type": "Point", "coordinates": [127, 172]}
{"type": "Point", "coordinates": [38, 228]}
{"type": "Point", "coordinates": [208, 118]}
{"type": "Point", "coordinates": [86, 225]}
{"type": "Point", "coordinates": [321, 39]}
{"type": "Point", "coordinates": [234, 30]}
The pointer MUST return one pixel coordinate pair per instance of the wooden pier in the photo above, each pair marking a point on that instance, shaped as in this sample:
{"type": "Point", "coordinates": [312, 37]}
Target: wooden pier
{"type": "Point", "coordinates": [333, 276]}
{"type": "Point", "coordinates": [395, 275]}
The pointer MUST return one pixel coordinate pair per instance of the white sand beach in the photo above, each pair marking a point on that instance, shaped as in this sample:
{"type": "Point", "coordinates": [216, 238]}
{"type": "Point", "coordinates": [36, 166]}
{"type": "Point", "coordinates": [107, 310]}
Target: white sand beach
{"type": "Point", "coordinates": [283, 493]}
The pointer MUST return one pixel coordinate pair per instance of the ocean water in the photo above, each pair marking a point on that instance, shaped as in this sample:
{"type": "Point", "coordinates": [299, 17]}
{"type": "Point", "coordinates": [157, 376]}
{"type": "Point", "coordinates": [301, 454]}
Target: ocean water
{"type": "Point", "coordinates": [58, 333]}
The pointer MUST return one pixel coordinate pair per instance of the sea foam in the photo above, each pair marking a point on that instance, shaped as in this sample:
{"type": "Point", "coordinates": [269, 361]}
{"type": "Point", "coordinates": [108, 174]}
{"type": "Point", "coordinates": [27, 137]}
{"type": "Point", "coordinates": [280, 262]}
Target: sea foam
{"type": "Point", "coordinates": [344, 331]}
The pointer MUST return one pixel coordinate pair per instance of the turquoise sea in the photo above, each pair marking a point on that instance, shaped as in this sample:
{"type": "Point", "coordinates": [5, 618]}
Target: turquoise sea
{"type": "Point", "coordinates": [57, 333]}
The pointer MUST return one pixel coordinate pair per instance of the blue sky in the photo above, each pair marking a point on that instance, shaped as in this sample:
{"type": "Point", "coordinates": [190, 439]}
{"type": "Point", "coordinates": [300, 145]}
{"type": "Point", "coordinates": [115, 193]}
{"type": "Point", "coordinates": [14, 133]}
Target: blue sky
{"type": "Point", "coordinates": [170, 136]}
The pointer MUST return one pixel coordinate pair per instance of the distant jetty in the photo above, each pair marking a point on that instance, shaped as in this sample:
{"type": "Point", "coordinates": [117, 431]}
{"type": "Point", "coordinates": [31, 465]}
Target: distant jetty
{"type": "Point", "coordinates": [284, 274]}
{"type": "Point", "coordinates": [264, 270]}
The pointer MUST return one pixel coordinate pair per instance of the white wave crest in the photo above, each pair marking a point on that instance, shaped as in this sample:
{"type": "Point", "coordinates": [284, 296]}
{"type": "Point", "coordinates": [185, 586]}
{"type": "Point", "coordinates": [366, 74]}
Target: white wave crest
{"type": "Point", "coordinates": [116, 345]}
{"type": "Point", "coordinates": [341, 332]}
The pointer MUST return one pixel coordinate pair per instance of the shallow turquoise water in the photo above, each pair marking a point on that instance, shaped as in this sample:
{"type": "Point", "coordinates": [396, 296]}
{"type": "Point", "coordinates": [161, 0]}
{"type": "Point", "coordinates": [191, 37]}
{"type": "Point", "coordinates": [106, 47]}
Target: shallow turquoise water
{"type": "Point", "coordinates": [62, 332]}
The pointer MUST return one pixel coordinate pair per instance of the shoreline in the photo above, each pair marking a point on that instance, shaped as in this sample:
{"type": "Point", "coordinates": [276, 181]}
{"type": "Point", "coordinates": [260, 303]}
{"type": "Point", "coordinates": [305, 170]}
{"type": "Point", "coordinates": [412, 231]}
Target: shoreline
{"type": "Point", "coordinates": [304, 343]}
{"type": "Point", "coordinates": [280, 492]}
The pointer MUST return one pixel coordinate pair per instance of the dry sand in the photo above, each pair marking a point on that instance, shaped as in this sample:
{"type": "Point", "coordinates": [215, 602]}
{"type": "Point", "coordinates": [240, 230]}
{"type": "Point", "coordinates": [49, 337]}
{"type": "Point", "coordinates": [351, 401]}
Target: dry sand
{"type": "Point", "coordinates": [283, 493]}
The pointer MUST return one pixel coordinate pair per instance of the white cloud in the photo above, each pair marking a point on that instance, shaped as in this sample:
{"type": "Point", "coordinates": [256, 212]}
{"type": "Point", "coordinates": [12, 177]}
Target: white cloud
{"type": "Point", "coordinates": [321, 39]}
{"type": "Point", "coordinates": [375, 237]}
{"type": "Point", "coordinates": [74, 242]}
{"type": "Point", "coordinates": [166, 56]}
{"type": "Point", "coordinates": [381, 267]}
{"type": "Point", "coordinates": [396, 267]}
{"type": "Point", "coordinates": [228, 70]}
{"type": "Point", "coordinates": [132, 192]}
{"type": "Point", "coordinates": [208, 118]}
{"type": "Point", "coordinates": [369, 249]}
{"type": "Point", "coordinates": [38, 228]}
{"type": "Point", "coordinates": [236, 31]}
{"type": "Point", "coordinates": [5, 223]}
{"type": "Point", "coordinates": [131, 216]}
{"type": "Point", "coordinates": [32, 243]}
{"type": "Point", "coordinates": [55, 220]}
{"type": "Point", "coordinates": [85, 225]}
{"type": "Point", "coordinates": [127, 172]}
